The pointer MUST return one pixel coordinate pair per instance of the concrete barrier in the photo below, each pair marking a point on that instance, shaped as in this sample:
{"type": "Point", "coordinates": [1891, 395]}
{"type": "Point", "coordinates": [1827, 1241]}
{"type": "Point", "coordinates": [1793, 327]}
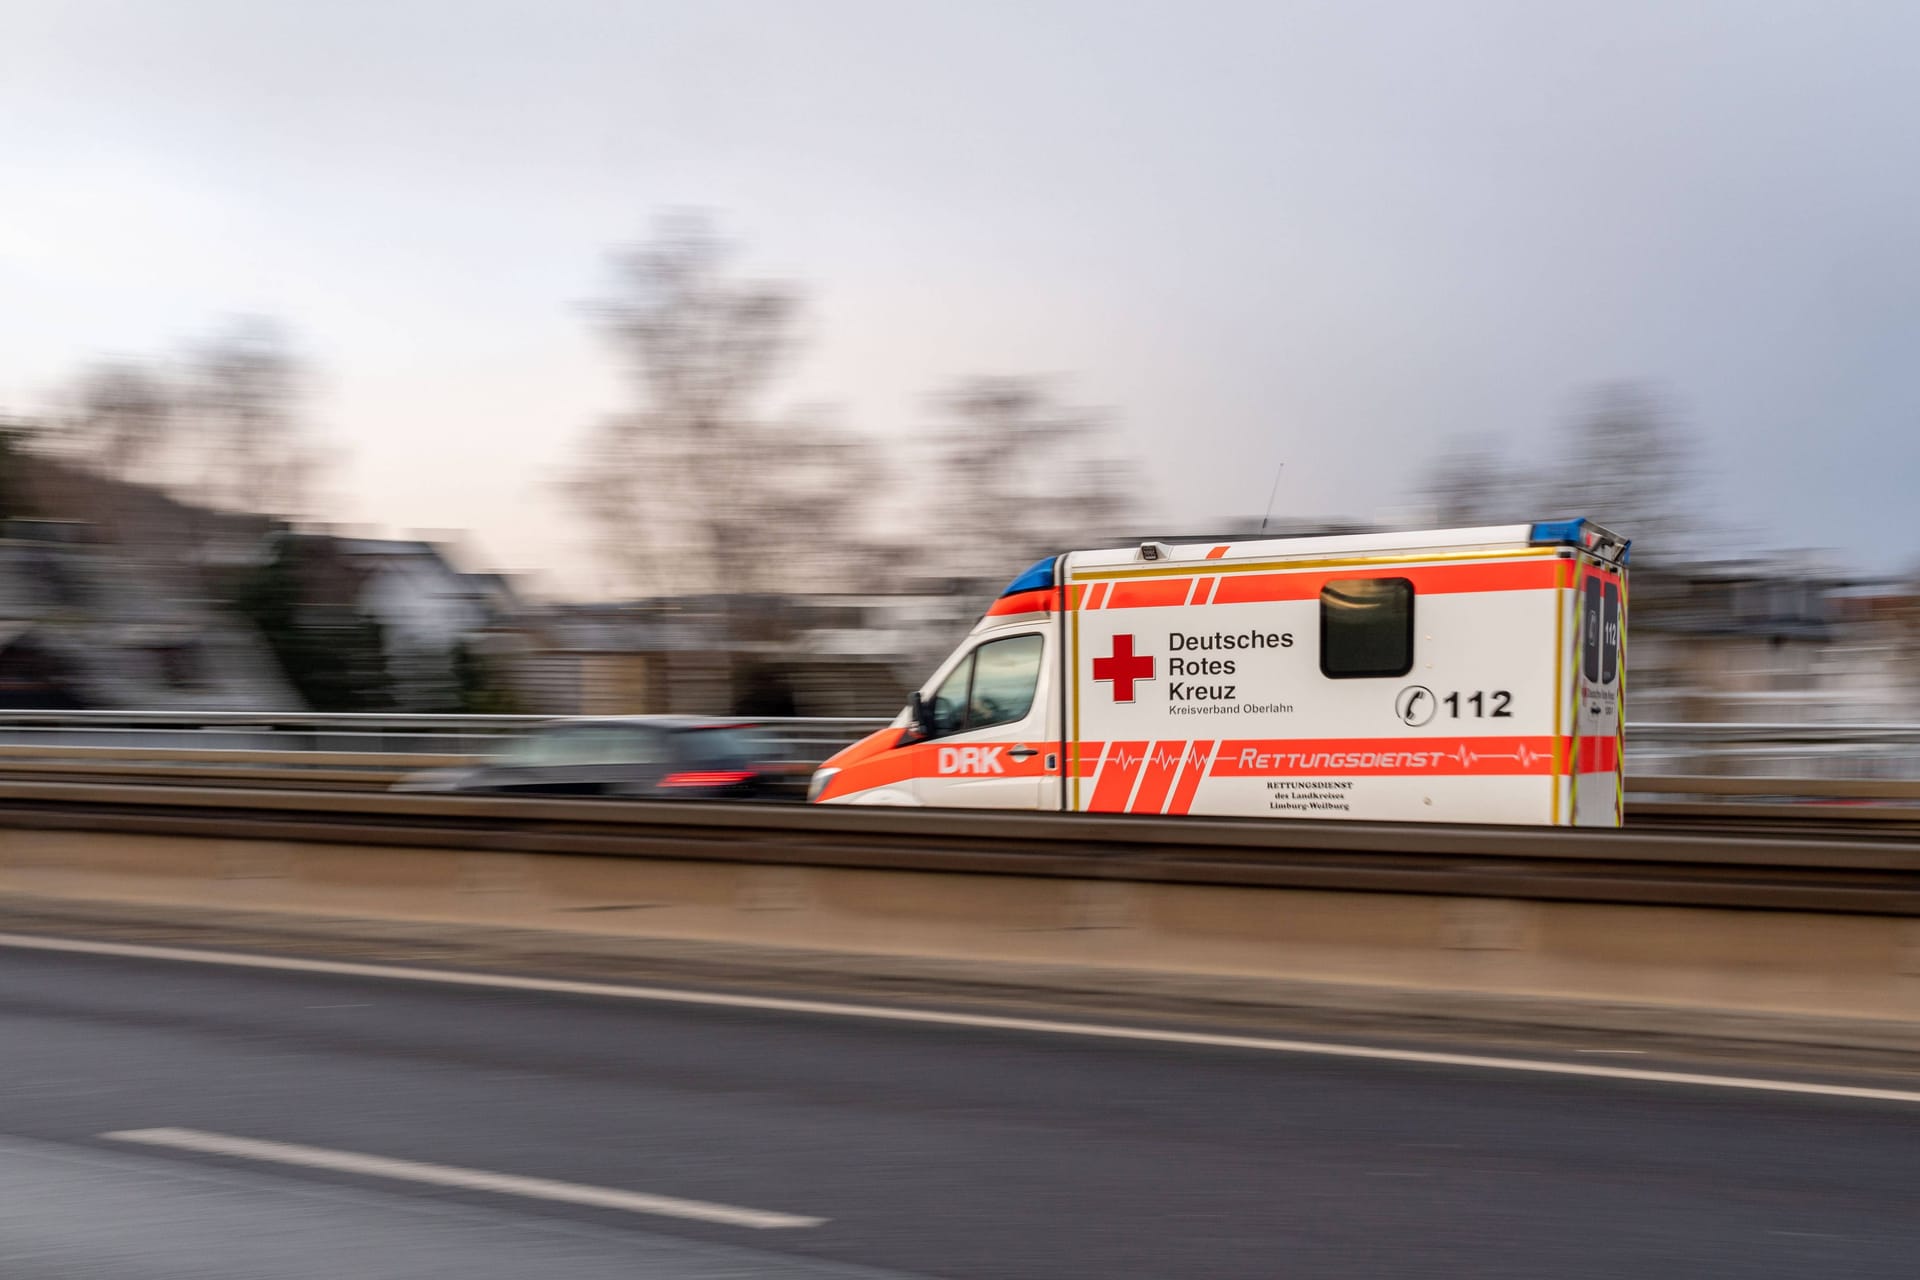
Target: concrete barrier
{"type": "Point", "coordinates": [1571, 963]}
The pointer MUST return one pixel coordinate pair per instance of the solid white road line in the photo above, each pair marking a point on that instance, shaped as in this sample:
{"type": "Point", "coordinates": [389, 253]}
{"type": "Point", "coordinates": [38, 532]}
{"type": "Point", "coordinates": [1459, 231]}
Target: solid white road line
{"type": "Point", "coordinates": [935, 1017]}
{"type": "Point", "coordinates": [442, 1175]}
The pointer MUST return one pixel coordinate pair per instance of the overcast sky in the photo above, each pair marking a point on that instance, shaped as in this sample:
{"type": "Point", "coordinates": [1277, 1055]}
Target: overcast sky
{"type": "Point", "coordinates": [1339, 235]}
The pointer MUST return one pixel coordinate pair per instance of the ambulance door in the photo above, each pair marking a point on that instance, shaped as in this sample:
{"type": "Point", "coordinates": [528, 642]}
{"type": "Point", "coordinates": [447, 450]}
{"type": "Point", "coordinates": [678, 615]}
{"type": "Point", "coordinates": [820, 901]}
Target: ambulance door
{"type": "Point", "coordinates": [990, 739]}
{"type": "Point", "coordinates": [1598, 682]}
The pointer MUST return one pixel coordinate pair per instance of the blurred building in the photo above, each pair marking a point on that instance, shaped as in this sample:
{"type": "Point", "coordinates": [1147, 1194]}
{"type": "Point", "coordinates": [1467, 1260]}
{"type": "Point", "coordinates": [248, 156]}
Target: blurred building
{"type": "Point", "coordinates": [609, 659]}
{"type": "Point", "coordinates": [427, 609]}
{"type": "Point", "coordinates": [82, 625]}
{"type": "Point", "coordinates": [1779, 641]}
{"type": "Point", "coordinates": [133, 598]}
{"type": "Point", "coordinates": [789, 655]}
{"type": "Point", "coordinates": [413, 589]}
{"type": "Point", "coordinates": [344, 623]}
{"type": "Point", "coordinates": [405, 598]}
{"type": "Point", "coordinates": [176, 542]}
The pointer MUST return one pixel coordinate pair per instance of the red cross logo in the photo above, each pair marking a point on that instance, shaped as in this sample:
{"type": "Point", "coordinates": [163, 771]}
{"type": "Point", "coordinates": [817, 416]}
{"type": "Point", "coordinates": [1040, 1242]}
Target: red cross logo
{"type": "Point", "coordinates": [1123, 668]}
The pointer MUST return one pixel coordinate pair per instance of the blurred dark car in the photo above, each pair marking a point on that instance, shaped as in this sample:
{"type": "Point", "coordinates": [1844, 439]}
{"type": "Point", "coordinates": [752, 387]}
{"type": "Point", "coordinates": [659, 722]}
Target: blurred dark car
{"type": "Point", "coordinates": [628, 757]}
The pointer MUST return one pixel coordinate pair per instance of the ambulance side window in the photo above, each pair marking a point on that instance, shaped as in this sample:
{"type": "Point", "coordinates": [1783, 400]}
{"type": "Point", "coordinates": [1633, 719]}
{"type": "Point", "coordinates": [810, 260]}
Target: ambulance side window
{"type": "Point", "coordinates": [992, 685]}
{"type": "Point", "coordinates": [1366, 628]}
{"type": "Point", "coordinates": [1005, 673]}
{"type": "Point", "coordinates": [950, 699]}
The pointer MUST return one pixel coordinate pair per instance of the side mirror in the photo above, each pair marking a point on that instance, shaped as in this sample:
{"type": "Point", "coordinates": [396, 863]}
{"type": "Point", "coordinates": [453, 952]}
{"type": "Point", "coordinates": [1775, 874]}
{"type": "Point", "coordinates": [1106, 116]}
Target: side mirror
{"type": "Point", "coordinates": [921, 714]}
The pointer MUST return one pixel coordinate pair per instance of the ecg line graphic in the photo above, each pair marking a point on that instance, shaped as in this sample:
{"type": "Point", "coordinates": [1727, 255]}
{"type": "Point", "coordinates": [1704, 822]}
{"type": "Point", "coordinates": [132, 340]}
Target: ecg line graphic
{"type": "Point", "coordinates": [1196, 754]}
{"type": "Point", "coordinates": [1165, 758]}
{"type": "Point", "coordinates": [1526, 756]}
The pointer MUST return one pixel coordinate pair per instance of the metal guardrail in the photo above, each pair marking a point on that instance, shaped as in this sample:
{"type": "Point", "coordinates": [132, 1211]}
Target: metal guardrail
{"type": "Point", "coordinates": [1863, 752]}
{"type": "Point", "coordinates": [1858, 874]}
{"type": "Point", "coordinates": [286, 726]}
{"type": "Point", "coordinates": [13, 755]}
{"type": "Point", "coordinates": [1892, 755]}
{"type": "Point", "coordinates": [404, 725]}
{"type": "Point", "coordinates": [1675, 732]}
{"type": "Point", "coordinates": [807, 739]}
{"type": "Point", "coordinates": [361, 724]}
{"type": "Point", "coordinates": [357, 722]}
{"type": "Point", "coordinates": [1780, 805]}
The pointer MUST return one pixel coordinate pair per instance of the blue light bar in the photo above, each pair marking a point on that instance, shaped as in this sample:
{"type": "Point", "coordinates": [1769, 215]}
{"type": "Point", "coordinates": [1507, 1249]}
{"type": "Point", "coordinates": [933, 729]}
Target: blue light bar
{"type": "Point", "coordinates": [1038, 578]}
{"type": "Point", "coordinates": [1584, 534]}
{"type": "Point", "coordinates": [1551, 533]}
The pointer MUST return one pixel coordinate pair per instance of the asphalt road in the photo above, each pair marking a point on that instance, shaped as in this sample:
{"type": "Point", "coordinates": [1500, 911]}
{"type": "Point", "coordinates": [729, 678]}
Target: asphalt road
{"type": "Point", "coordinates": [879, 1151]}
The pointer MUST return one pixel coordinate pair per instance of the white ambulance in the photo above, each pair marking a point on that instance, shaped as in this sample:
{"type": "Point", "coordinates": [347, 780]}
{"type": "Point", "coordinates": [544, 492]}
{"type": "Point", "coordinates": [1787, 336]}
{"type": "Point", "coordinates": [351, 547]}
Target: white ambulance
{"type": "Point", "coordinates": [1464, 675]}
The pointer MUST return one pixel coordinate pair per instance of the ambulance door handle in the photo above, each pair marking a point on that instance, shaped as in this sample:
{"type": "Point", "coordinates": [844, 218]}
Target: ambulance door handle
{"type": "Point", "coordinates": [1023, 753]}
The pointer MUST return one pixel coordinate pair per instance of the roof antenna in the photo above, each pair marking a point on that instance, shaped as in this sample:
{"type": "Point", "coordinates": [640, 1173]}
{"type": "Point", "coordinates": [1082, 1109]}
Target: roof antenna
{"type": "Point", "coordinates": [1268, 515]}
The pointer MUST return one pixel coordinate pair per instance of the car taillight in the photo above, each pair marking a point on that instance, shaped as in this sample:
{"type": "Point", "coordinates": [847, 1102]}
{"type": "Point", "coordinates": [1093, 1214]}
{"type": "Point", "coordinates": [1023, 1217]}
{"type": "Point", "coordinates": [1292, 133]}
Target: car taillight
{"type": "Point", "coordinates": [708, 778]}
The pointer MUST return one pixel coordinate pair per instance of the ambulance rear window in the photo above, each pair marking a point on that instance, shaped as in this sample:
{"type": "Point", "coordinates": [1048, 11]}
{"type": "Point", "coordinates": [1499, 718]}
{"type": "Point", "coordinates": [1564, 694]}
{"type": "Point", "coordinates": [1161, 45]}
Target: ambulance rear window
{"type": "Point", "coordinates": [1366, 628]}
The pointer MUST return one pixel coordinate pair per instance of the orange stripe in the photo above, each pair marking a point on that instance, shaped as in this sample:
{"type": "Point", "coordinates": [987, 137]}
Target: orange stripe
{"type": "Point", "coordinates": [922, 760]}
{"type": "Point", "coordinates": [1088, 757]}
{"type": "Point", "coordinates": [1162, 764]}
{"type": "Point", "coordinates": [1149, 593]}
{"type": "Point", "coordinates": [1216, 553]}
{"type": "Point", "coordinates": [1428, 757]}
{"type": "Point", "coordinates": [1042, 601]}
{"type": "Point", "coordinates": [1116, 778]}
{"type": "Point", "coordinates": [858, 761]}
{"type": "Point", "coordinates": [1195, 766]}
{"type": "Point", "coordinates": [1526, 575]}
{"type": "Point", "coordinates": [865, 775]}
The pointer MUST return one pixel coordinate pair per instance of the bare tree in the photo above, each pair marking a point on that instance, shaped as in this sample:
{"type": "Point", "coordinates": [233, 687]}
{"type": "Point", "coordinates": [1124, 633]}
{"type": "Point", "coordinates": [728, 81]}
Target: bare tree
{"type": "Point", "coordinates": [1622, 461]}
{"type": "Point", "coordinates": [698, 486]}
{"type": "Point", "coordinates": [1477, 482]}
{"type": "Point", "coordinates": [120, 435]}
{"type": "Point", "coordinates": [123, 419]}
{"type": "Point", "coordinates": [1629, 466]}
{"type": "Point", "coordinates": [252, 454]}
{"type": "Point", "coordinates": [1017, 475]}
{"type": "Point", "coordinates": [814, 505]}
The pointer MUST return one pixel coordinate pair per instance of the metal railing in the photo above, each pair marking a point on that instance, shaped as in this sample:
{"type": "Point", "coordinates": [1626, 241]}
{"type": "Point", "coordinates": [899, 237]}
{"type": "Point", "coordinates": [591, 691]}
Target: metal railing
{"type": "Point", "coordinates": [1861, 751]}
{"type": "Point", "coordinates": [804, 738]}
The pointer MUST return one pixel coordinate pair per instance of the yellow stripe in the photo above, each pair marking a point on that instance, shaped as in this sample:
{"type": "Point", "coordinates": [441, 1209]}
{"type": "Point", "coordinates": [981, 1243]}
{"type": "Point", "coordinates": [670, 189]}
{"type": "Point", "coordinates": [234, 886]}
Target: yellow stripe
{"type": "Point", "coordinates": [1222, 566]}
{"type": "Point", "coordinates": [1573, 690]}
{"type": "Point", "coordinates": [1559, 675]}
{"type": "Point", "coordinates": [1620, 717]}
{"type": "Point", "coordinates": [1075, 624]}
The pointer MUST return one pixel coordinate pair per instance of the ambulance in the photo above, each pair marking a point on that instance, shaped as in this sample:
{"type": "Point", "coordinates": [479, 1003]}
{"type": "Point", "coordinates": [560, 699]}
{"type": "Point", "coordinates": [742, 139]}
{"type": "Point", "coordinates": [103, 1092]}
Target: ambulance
{"type": "Point", "coordinates": [1463, 675]}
